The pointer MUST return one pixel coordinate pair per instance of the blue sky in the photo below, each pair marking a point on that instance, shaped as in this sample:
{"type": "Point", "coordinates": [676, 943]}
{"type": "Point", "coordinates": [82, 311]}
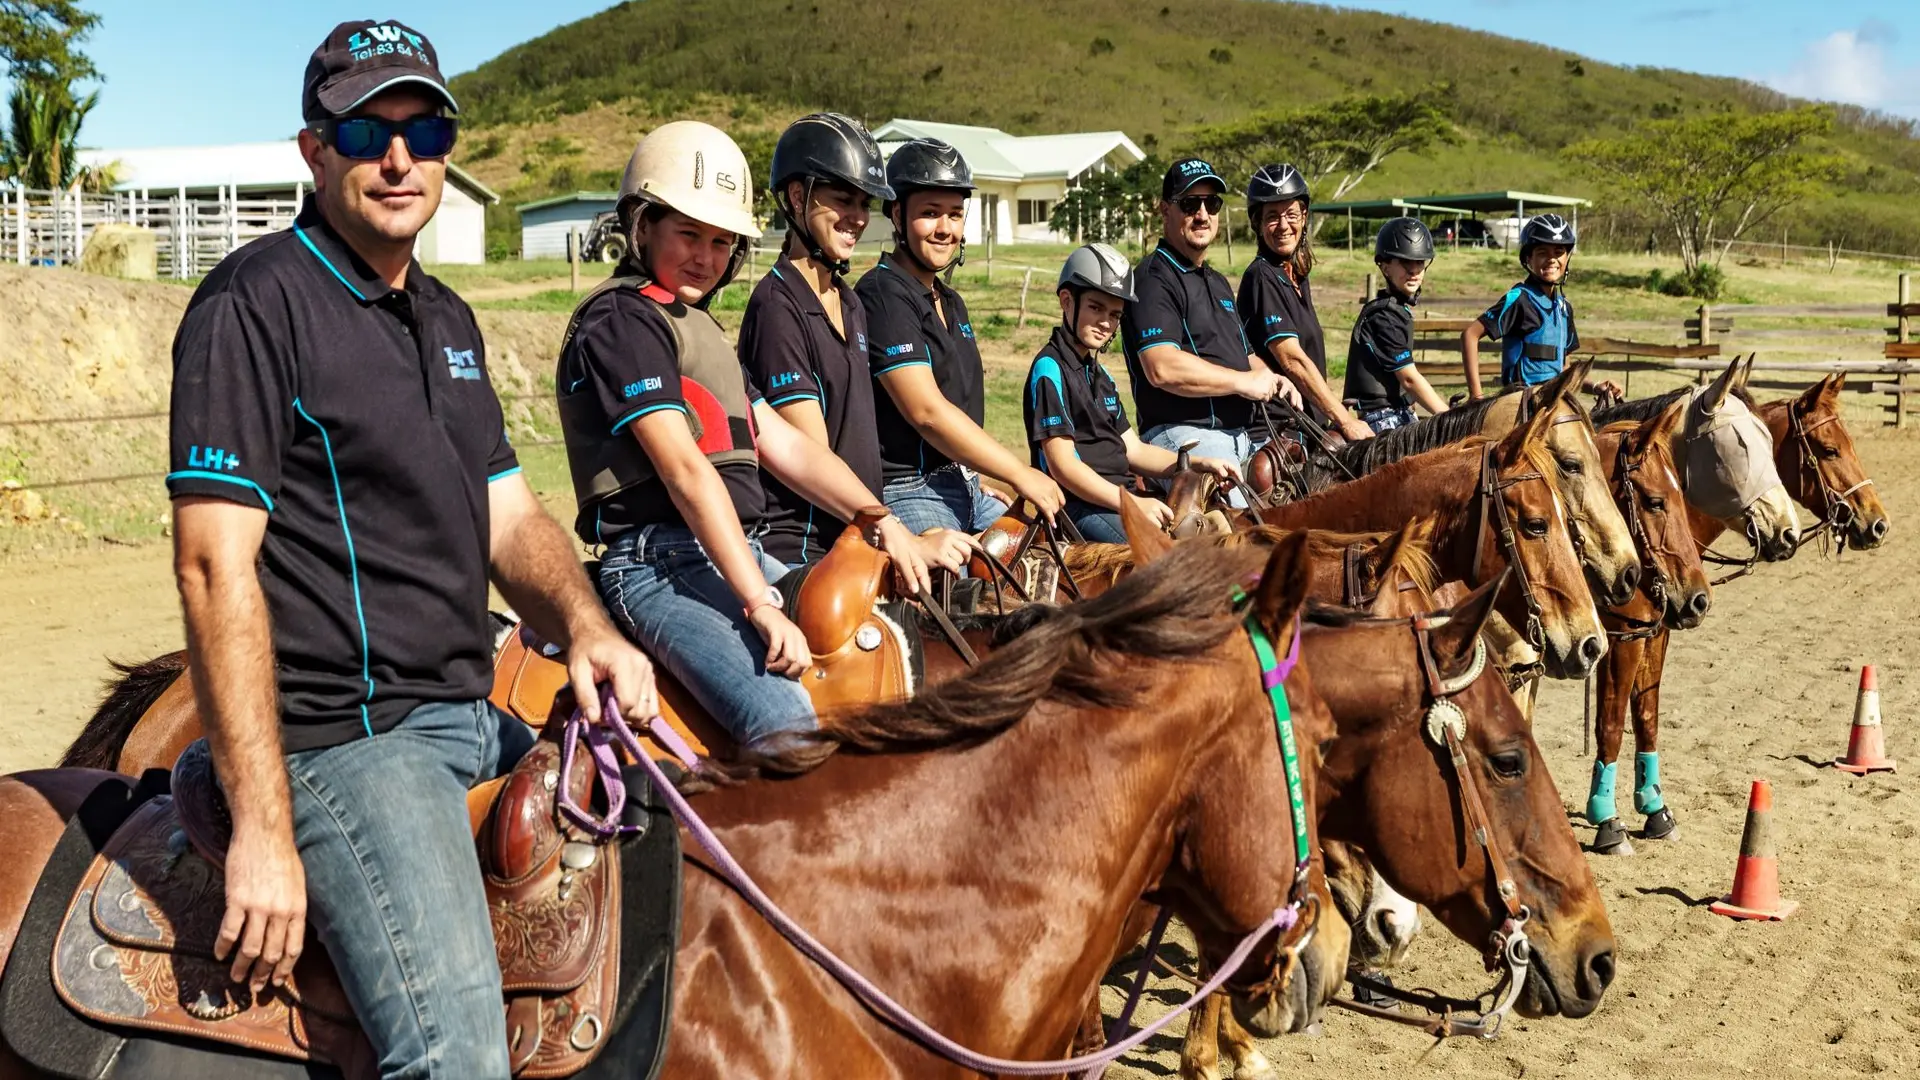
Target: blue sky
{"type": "Point", "coordinates": [211, 71]}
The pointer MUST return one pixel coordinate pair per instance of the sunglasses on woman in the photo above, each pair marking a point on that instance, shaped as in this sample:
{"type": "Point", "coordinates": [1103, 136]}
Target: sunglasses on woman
{"type": "Point", "coordinates": [366, 138]}
{"type": "Point", "coordinates": [1191, 204]}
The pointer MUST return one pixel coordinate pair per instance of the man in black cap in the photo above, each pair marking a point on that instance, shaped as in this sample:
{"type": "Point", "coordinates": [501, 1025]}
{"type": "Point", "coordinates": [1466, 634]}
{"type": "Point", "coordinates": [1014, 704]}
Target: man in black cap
{"type": "Point", "coordinates": [343, 493]}
{"type": "Point", "coordinates": [1195, 379]}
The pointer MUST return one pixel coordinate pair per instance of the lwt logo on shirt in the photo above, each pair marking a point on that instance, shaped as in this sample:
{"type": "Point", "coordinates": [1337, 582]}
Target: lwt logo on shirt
{"type": "Point", "coordinates": [461, 365]}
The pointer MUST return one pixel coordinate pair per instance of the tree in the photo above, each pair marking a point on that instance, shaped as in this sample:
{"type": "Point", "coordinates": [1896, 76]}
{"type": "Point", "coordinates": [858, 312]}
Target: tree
{"type": "Point", "coordinates": [1715, 177]}
{"type": "Point", "coordinates": [1111, 206]}
{"type": "Point", "coordinates": [1348, 138]}
{"type": "Point", "coordinates": [43, 134]}
{"type": "Point", "coordinates": [38, 38]}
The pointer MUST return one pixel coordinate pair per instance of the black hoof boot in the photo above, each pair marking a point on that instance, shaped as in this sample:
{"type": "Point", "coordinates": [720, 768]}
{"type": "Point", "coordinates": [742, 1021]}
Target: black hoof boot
{"type": "Point", "coordinates": [1611, 838]}
{"type": "Point", "coordinates": [1366, 996]}
{"type": "Point", "coordinates": [1660, 825]}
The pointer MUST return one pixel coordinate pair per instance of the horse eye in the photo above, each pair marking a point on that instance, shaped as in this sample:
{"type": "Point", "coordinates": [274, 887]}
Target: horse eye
{"type": "Point", "coordinates": [1510, 764]}
{"type": "Point", "coordinates": [1534, 527]}
{"type": "Point", "coordinates": [1570, 466]}
{"type": "Point", "coordinates": [1828, 453]}
{"type": "Point", "coordinates": [1656, 503]}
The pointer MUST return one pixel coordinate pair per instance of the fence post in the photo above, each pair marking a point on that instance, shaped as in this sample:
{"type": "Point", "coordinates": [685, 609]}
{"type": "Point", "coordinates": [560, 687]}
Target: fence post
{"type": "Point", "coordinates": [1226, 226]}
{"type": "Point", "coordinates": [573, 260]}
{"type": "Point", "coordinates": [1901, 332]}
{"type": "Point", "coordinates": [1026, 282]}
{"type": "Point", "coordinates": [1706, 337]}
{"type": "Point", "coordinates": [1366, 291]}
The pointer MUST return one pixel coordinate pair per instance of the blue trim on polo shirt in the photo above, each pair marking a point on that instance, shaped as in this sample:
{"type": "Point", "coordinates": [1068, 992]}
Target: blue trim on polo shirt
{"type": "Point", "coordinates": [503, 474]}
{"type": "Point", "coordinates": [1153, 345]}
{"type": "Point", "coordinates": [1176, 262]}
{"type": "Point", "coordinates": [1277, 335]}
{"type": "Point", "coordinates": [798, 395]}
{"type": "Point", "coordinates": [202, 474]}
{"type": "Point", "coordinates": [904, 364]}
{"type": "Point", "coordinates": [335, 271]}
{"type": "Point", "coordinates": [353, 563]}
{"type": "Point", "coordinates": [644, 410]}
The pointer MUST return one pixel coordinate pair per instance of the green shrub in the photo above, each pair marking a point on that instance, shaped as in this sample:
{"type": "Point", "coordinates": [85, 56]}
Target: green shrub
{"type": "Point", "coordinates": [1706, 281]}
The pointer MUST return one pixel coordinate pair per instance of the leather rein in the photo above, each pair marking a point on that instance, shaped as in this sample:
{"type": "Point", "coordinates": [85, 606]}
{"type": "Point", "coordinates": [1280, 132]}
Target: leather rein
{"type": "Point", "coordinates": [1491, 512]}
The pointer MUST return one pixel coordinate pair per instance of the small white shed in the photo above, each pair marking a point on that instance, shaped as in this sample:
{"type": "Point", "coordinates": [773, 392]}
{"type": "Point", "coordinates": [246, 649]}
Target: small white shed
{"type": "Point", "coordinates": [544, 224]}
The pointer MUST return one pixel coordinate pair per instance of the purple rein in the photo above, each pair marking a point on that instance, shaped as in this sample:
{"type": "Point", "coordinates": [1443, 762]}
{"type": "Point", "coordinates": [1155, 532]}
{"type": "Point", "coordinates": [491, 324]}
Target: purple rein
{"type": "Point", "coordinates": [599, 740]}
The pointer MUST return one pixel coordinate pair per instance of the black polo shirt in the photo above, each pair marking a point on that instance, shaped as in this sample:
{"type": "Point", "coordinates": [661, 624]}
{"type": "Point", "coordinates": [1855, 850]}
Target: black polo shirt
{"type": "Point", "coordinates": [903, 329]}
{"type": "Point", "coordinates": [625, 355]}
{"type": "Point", "coordinates": [1070, 395]}
{"type": "Point", "coordinates": [1191, 307]}
{"type": "Point", "coordinates": [1274, 306]}
{"type": "Point", "coordinates": [1381, 345]}
{"type": "Point", "coordinates": [793, 353]}
{"type": "Point", "coordinates": [361, 419]}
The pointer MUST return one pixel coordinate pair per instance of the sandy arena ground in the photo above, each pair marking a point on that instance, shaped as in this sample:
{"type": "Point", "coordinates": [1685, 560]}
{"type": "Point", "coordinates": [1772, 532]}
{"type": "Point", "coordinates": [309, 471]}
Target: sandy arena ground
{"type": "Point", "coordinates": [1764, 689]}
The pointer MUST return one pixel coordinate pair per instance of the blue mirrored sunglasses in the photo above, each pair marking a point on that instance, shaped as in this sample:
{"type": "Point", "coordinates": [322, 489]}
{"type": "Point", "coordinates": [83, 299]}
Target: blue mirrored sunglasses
{"type": "Point", "coordinates": [366, 138]}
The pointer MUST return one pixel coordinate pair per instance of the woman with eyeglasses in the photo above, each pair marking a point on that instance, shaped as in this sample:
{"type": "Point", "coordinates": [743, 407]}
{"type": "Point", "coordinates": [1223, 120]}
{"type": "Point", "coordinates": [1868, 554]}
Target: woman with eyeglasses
{"type": "Point", "coordinates": [1276, 298]}
{"type": "Point", "coordinates": [1195, 379]}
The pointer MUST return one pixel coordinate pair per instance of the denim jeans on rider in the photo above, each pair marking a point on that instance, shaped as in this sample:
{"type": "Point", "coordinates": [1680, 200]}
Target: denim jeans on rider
{"type": "Point", "coordinates": [1387, 419]}
{"type": "Point", "coordinates": [1097, 526]}
{"type": "Point", "coordinates": [944, 499]}
{"type": "Point", "coordinates": [393, 884]}
{"type": "Point", "coordinates": [1228, 444]}
{"type": "Point", "coordinates": [668, 598]}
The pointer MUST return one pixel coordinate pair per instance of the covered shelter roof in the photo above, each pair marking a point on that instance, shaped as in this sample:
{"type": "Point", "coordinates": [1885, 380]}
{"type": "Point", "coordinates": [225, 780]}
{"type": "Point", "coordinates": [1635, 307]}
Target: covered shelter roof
{"type": "Point", "coordinates": [1479, 202]}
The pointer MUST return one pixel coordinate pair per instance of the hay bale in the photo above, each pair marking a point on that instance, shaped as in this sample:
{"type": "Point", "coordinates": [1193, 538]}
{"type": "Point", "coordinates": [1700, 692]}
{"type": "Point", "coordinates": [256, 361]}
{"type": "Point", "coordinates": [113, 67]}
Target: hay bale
{"type": "Point", "coordinates": [122, 251]}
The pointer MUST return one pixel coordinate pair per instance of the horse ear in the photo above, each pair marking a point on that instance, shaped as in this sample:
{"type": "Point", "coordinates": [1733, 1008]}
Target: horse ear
{"type": "Point", "coordinates": [1283, 589]}
{"type": "Point", "coordinates": [1453, 642]}
{"type": "Point", "coordinates": [1548, 394]}
{"type": "Point", "coordinates": [1666, 422]}
{"type": "Point", "coordinates": [1535, 430]}
{"type": "Point", "coordinates": [1746, 371]}
{"type": "Point", "coordinates": [1834, 383]}
{"type": "Point", "coordinates": [1143, 536]}
{"type": "Point", "coordinates": [1716, 394]}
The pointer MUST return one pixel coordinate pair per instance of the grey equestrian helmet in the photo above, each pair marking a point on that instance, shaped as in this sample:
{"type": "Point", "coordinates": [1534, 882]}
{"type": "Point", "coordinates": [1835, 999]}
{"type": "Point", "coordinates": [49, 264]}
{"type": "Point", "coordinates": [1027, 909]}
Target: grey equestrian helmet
{"type": "Point", "coordinates": [1546, 229]}
{"type": "Point", "coordinates": [1404, 238]}
{"type": "Point", "coordinates": [1098, 266]}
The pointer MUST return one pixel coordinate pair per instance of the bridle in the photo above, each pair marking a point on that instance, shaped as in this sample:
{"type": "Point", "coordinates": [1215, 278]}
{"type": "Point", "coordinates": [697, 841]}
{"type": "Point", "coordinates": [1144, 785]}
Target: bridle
{"type": "Point", "coordinates": [1491, 512]}
{"type": "Point", "coordinates": [1508, 948]}
{"type": "Point", "coordinates": [1838, 513]}
{"type": "Point", "coordinates": [1633, 498]}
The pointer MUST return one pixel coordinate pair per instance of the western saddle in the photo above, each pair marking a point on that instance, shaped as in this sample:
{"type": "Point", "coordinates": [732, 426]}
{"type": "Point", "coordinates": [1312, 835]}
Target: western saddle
{"type": "Point", "coordinates": [135, 948]}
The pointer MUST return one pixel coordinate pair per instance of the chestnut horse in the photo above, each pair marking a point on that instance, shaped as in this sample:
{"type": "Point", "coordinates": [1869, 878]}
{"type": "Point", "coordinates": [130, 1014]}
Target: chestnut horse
{"type": "Point", "coordinates": [1495, 507]}
{"type": "Point", "coordinates": [1127, 750]}
{"type": "Point", "coordinates": [1813, 455]}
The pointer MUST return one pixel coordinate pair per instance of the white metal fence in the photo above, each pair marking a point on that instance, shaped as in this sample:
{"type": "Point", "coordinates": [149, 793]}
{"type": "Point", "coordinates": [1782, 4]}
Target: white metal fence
{"type": "Point", "coordinates": [192, 232]}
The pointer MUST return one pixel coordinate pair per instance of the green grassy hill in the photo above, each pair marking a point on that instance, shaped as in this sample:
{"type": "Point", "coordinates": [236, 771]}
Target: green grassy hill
{"type": "Point", "coordinates": [561, 111]}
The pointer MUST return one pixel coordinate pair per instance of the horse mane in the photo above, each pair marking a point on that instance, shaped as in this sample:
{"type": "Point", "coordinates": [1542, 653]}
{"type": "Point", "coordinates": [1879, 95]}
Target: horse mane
{"type": "Point", "coordinates": [1178, 608]}
{"type": "Point", "coordinates": [1649, 407]}
{"type": "Point", "coordinates": [1424, 434]}
{"type": "Point", "coordinates": [1108, 560]}
{"type": "Point", "coordinates": [128, 698]}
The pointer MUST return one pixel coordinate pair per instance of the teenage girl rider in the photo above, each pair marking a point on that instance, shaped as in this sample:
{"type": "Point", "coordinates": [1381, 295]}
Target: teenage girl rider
{"type": "Point", "coordinates": [665, 438]}
{"type": "Point", "coordinates": [923, 354]}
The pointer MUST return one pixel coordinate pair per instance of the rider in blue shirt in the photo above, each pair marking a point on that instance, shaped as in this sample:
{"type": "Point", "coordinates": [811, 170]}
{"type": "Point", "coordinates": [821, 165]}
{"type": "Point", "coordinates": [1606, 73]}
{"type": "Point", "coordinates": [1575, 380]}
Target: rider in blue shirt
{"type": "Point", "coordinates": [1534, 320]}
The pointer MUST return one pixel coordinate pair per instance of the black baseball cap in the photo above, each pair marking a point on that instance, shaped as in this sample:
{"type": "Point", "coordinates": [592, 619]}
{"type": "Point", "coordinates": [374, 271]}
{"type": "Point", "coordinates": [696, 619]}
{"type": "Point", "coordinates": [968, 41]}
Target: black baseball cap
{"type": "Point", "coordinates": [1185, 173]}
{"type": "Point", "coordinates": [360, 59]}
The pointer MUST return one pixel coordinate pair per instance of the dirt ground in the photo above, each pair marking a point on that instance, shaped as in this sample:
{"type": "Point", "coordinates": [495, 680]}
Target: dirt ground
{"type": "Point", "coordinates": [1764, 689]}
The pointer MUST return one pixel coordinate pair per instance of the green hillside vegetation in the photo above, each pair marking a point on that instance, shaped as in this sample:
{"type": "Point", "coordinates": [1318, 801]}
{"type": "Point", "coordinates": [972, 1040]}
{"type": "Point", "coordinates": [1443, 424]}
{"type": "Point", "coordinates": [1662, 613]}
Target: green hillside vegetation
{"type": "Point", "coordinates": [560, 112]}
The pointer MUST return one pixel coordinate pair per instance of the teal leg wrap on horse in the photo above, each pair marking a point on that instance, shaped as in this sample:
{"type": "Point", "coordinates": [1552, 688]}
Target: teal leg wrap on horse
{"type": "Point", "coordinates": [1646, 784]}
{"type": "Point", "coordinates": [1600, 796]}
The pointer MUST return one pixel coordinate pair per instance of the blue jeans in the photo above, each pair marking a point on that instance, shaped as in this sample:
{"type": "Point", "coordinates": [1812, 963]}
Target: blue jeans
{"type": "Point", "coordinates": [393, 884]}
{"type": "Point", "coordinates": [1096, 525]}
{"type": "Point", "coordinates": [1388, 418]}
{"type": "Point", "coordinates": [943, 499]}
{"type": "Point", "coordinates": [668, 597]}
{"type": "Point", "coordinates": [1228, 444]}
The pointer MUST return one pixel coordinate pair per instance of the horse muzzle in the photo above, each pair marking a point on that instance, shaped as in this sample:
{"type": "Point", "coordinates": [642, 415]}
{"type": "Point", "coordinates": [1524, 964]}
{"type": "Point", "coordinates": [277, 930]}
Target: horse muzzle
{"type": "Point", "coordinates": [1572, 990]}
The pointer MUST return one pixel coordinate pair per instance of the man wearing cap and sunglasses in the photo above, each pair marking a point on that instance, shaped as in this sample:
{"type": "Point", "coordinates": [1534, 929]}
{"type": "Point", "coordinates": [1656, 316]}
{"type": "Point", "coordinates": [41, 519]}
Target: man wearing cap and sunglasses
{"type": "Point", "coordinates": [1195, 379]}
{"type": "Point", "coordinates": [343, 493]}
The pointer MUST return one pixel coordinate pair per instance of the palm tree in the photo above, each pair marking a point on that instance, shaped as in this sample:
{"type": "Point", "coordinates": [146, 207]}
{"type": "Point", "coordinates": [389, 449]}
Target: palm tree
{"type": "Point", "coordinates": [43, 134]}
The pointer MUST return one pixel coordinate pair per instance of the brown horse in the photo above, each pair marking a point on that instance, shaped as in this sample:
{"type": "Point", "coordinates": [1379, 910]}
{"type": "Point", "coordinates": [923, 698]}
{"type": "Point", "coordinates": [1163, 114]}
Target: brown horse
{"type": "Point", "coordinates": [1814, 457]}
{"type": "Point", "coordinates": [1127, 750]}
{"type": "Point", "coordinates": [1495, 507]}
{"type": "Point", "coordinates": [1432, 868]}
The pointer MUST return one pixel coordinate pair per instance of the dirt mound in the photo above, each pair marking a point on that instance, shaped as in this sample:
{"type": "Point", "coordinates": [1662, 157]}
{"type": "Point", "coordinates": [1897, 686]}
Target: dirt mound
{"type": "Point", "coordinates": [80, 347]}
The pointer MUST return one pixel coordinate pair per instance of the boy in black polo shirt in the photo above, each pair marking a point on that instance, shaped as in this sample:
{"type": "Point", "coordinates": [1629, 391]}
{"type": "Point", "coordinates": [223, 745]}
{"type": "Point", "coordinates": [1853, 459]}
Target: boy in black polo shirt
{"type": "Point", "coordinates": [1381, 376]}
{"type": "Point", "coordinates": [1076, 425]}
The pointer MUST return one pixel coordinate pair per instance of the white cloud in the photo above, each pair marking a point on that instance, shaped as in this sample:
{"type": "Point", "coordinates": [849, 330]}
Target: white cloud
{"type": "Point", "coordinates": [1851, 66]}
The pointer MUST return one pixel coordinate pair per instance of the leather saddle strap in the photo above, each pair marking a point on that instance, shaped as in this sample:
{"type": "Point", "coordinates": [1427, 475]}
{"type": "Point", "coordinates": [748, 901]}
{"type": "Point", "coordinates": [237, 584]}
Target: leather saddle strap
{"type": "Point", "coordinates": [950, 632]}
{"type": "Point", "coordinates": [1352, 560]}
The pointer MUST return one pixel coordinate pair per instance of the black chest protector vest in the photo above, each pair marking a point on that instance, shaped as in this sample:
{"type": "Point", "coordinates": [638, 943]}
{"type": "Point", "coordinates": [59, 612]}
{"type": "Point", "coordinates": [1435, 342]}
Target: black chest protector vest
{"type": "Point", "coordinates": [1367, 384]}
{"type": "Point", "coordinates": [604, 462]}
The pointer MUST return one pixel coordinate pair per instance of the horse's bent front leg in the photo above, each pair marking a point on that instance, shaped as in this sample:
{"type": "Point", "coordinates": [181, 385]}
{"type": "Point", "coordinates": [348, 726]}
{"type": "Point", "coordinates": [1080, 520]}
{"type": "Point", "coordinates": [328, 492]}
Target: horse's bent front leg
{"type": "Point", "coordinates": [1248, 1062]}
{"type": "Point", "coordinates": [1200, 1056]}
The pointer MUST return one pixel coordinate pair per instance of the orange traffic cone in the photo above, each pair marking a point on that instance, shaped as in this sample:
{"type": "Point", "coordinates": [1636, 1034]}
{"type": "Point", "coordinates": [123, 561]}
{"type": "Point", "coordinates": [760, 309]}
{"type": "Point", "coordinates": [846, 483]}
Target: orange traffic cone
{"type": "Point", "coordinates": [1866, 750]}
{"type": "Point", "coordinates": [1756, 877]}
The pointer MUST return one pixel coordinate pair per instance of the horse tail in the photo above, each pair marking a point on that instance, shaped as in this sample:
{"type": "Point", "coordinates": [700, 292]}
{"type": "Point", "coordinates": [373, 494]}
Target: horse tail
{"type": "Point", "coordinates": [128, 698]}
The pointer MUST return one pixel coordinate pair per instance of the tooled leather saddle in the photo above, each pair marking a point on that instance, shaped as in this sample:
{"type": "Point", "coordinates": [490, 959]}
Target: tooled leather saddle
{"type": "Point", "coordinates": [134, 951]}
